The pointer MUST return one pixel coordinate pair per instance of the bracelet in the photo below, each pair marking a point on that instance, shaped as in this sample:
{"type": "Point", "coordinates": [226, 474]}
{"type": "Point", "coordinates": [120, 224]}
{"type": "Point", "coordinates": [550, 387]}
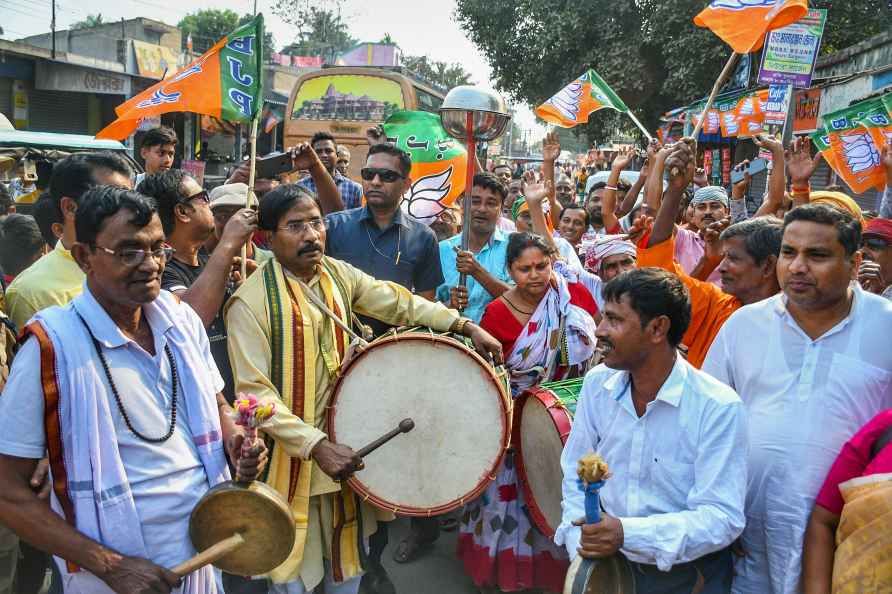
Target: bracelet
{"type": "Point", "coordinates": [459, 326]}
{"type": "Point", "coordinates": [614, 188]}
{"type": "Point", "coordinates": [801, 189]}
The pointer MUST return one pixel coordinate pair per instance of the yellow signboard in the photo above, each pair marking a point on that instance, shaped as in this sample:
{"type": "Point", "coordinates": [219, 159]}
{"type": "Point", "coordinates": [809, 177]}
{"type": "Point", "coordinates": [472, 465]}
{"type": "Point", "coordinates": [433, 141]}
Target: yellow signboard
{"type": "Point", "coordinates": [154, 61]}
{"type": "Point", "coordinates": [349, 97]}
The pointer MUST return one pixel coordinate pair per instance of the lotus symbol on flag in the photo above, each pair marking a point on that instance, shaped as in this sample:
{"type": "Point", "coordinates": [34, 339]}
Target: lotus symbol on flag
{"type": "Point", "coordinates": [742, 4]}
{"type": "Point", "coordinates": [747, 107]}
{"type": "Point", "coordinates": [861, 154]}
{"type": "Point", "coordinates": [567, 100]}
{"type": "Point", "coordinates": [424, 200]}
{"type": "Point", "coordinates": [732, 125]}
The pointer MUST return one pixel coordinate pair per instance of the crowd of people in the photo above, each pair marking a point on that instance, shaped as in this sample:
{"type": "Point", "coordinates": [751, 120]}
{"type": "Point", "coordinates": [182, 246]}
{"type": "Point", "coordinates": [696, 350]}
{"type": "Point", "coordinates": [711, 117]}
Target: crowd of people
{"type": "Point", "coordinates": [733, 375]}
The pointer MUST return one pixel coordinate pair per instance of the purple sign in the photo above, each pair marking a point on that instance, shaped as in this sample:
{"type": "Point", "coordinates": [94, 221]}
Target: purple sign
{"type": "Point", "coordinates": [790, 52]}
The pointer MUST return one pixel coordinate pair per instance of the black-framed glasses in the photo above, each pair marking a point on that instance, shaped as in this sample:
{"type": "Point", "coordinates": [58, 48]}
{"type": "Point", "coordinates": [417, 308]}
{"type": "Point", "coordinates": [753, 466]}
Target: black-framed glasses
{"type": "Point", "coordinates": [202, 195]}
{"type": "Point", "coordinates": [134, 257]}
{"type": "Point", "coordinates": [388, 176]}
{"type": "Point", "coordinates": [875, 243]}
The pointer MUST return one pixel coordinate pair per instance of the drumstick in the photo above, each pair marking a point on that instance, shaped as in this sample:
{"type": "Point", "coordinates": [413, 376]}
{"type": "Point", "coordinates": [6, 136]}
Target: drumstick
{"type": "Point", "coordinates": [405, 426]}
{"type": "Point", "coordinates": [334, 318]}
{"type": "Point", "coordinates": [209, 555]}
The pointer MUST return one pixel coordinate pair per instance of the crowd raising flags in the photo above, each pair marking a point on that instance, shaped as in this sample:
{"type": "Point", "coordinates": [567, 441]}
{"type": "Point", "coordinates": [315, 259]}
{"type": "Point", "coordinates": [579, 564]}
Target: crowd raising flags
{"type": "Point", "coordinates": [742, 24]}
{"type": "Point", "coordinates": [224, 82]}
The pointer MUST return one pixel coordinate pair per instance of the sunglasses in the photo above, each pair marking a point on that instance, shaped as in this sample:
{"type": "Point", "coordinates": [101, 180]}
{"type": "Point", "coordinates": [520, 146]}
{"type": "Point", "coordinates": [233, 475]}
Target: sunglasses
{"type": "Point", "coordinates": [388, 176]}
{"type": "Point", "coordinates": [202, 195]}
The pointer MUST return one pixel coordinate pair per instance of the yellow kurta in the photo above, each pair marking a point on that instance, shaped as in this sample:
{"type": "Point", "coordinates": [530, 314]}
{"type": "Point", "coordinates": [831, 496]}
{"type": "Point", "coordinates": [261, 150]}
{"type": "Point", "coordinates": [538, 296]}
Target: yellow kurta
{"type": "Point", "coordinates": [251, 352]}
{"type": "Point", "coordinates": [55, 279]}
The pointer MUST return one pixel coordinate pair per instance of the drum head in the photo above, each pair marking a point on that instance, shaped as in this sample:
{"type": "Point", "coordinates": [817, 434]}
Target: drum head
{"type": "Point", "coordinates": [461, 422]}
{"type": "Point", "coordinates": [541, 428]}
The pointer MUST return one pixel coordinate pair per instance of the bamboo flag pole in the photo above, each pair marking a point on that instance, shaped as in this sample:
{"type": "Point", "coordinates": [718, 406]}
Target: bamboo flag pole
{"type": "Point", "coordinates": [251, 172]}
{"type": "Point", "coordinates": [722, 79]}
{"type": "Point", "coordinates": [640, 126]}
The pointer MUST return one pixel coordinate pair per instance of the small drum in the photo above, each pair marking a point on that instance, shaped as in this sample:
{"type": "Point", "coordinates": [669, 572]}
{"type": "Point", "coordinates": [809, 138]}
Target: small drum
{"type": "Point", "coordinates": [460, 407]}
{"type": "Point", "coordinates": [542, 422]}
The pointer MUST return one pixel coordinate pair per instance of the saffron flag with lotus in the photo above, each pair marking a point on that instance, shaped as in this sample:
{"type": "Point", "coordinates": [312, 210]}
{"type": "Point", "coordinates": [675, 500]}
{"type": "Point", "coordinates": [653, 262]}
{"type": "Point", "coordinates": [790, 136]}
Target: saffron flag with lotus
{"type": "Point", "coordinates": [573, 104]}
{"type": "Point", "coordinates": [856, 134]}
{"type": "Point", "coordinates": [224, 82]}
{"type": "Point", "coordinates": [438, 163]}
{"type": "Point", "coordinates": [742, 24]}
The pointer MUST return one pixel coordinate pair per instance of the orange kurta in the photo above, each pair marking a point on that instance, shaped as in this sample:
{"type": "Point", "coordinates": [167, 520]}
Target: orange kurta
{"type": "Point", "coordinates": [710, 306]}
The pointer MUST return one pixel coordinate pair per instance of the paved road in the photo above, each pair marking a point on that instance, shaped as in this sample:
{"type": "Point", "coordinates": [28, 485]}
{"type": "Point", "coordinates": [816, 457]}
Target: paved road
{"type": "Point", "coordinates": [438, 571]}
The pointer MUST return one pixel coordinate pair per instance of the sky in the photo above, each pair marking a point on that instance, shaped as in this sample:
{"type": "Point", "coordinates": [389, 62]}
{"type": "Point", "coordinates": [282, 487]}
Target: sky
{"type": "Point", "coordinates": [418, 26]}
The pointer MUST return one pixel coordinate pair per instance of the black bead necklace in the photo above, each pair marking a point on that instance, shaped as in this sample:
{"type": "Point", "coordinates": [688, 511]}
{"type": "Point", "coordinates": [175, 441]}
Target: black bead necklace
{"type": "Point", "coordinates": [174, 381]}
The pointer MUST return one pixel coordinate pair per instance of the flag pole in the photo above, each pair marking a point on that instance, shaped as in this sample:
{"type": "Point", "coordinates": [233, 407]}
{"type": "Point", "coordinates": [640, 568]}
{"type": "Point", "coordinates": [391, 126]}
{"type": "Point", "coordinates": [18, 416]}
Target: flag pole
{"type": "Point", "coordinates": [640, 126]}
{"type": "Point", "coordinates": [721, 80]}
{"type": "Point", "coordinates": [251, 175]}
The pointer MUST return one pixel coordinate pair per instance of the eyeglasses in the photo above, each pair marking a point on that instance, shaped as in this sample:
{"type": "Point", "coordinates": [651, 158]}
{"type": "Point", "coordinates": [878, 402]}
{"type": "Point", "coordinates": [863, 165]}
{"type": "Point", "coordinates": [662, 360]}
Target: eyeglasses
{"type": "Point", "coordinates": [202, 195]}
{"type": "Point", "coordinates": [875, 243]}
{"type": "Point", "coordinates": [298, 227]}
{"type": "Point", "coordinates": [388, 176]}
{"type": "Point", "coordinates": [135, 257]}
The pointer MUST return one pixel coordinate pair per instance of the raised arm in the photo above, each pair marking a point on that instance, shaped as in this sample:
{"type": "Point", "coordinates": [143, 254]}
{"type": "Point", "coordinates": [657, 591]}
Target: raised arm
{"type": "Point", "coordinates": [632, 195]}
{"type": "Point", "coordinates": [801, 166]}
{"type": "Point", "coordinates": [551, 150]}
{"type": "Point", "coordinates": [304, 157]}
{"type": "Point", "coordinates": [535, 194]}
{"type": "Point", "coordinates": [679, 161]}
{"type": "Point", "coordinates": [653, 193]}
{"type": "Point", "coordinates": [608, 203]}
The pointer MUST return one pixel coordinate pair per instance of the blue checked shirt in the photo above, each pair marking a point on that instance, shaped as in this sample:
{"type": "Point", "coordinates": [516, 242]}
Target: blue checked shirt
{"type": "Point", "coordinates": [351, 192]}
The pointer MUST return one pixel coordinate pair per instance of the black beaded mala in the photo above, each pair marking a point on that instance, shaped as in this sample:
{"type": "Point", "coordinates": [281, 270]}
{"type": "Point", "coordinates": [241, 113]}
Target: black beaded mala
{"type": "Point", "coordinates": [174, 381]}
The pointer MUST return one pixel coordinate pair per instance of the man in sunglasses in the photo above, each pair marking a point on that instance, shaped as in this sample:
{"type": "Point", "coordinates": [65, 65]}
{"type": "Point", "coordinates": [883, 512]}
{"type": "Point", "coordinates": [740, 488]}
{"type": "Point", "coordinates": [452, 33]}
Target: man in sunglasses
{"type": "Point", "coordinates": [203, 281]}
{"type": "Point", "coordinates": [875, 272]}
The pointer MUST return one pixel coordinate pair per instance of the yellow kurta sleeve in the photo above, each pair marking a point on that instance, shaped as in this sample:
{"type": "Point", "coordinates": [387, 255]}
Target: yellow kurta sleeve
{"type": "Point", "coordinates": [250, 355]}
{"type": "Point", "coordinates": [393, 304]}
{"type": "Point", "coordinates": [19, 308]}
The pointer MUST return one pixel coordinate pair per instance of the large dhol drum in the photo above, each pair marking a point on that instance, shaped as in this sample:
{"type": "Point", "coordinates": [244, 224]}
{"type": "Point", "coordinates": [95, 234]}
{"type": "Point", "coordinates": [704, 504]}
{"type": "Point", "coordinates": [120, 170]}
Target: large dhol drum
{"type": "Point", "coordinates": [462, 414]}
{"type": "Point", "coordinates": [542, 420]}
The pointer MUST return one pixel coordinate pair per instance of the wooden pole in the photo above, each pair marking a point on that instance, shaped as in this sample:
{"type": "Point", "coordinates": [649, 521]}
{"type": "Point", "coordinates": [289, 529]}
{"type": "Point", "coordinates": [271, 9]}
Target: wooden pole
{"type": "Point", "coordinates": [251, 172]}
{"type": "Point", "coordinates": [722, 79]}
{"type": "Point", "coordinates": [640, 126]}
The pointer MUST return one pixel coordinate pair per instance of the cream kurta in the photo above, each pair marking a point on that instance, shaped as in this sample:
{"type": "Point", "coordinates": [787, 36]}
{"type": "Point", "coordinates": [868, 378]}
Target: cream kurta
{"type": "Point", "coordinates": [250, 351]}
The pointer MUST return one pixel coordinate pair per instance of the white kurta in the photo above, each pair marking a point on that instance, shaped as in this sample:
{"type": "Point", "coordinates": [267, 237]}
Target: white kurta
{"type": "Point", "coordinates": [805, 399]}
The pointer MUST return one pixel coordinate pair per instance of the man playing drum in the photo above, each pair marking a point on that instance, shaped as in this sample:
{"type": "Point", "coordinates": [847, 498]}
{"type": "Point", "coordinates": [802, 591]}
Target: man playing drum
{"type": "Point", "coordinates": [121, 389]}
{"type": "Point", "coordinates": [675, 440]}
{"type": "Point", "coordinates": [283, 347]}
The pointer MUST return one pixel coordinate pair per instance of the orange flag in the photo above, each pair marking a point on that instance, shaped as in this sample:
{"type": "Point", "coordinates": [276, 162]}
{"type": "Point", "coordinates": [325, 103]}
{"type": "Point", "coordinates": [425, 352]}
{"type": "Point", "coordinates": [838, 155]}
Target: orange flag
{"type": "Point", "coordinates": [573, 104]}
{"type": "Point", "coordinates": [224, 83]}
{"type": "Point", "coordinates": [742, 24]}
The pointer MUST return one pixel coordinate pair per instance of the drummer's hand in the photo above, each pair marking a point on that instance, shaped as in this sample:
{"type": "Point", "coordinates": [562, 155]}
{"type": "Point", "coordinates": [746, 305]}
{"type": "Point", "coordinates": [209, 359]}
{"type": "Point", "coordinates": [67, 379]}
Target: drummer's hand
{"type": "Point", "coordinates": [602, 539]}
{"type": "Point", "coordinates": [249, 462]}
{"type": "Point", "coordinates": [132, 575]}
{"type": "Point", "coordinates": [458, 297]}
{"type": "Point", "coordinates": [484, 342]}
{"type": "Point", "coordinates": [336, 460]}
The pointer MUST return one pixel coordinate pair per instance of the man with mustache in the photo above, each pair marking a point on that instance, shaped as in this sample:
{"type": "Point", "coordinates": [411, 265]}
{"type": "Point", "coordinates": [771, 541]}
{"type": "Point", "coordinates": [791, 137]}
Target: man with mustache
{"type": "Point", "coordinates": [812, 366]}
{"type": "Point", "coordinates": [384, 242]}
{"type": "Point", "coordinates": [875, 273]}
{"type": "Point", "coordinates": [744, 255]}
{"type": "Point", "coordinates": [120, 388]}
{"type": "Point", "coordinates": [675, 441]}
{"type": "Point", "coordinates": [710, 205]}
{"type": "Point", "coordinates": [283, 347]}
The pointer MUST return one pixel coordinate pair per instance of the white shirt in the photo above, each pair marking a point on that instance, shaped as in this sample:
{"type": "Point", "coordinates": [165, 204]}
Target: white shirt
{"type": "Point", "coordinates": [166, 479]}
{"type": "Point", "coordinates": [679, 471]}
{"type": "Point", "coordinates": [805, 398]}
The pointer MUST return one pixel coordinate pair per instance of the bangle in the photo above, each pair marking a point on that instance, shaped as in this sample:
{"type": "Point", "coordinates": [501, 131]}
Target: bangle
{"type": "Point", "coordinates": [614, 188]}
{"type": "Point", "coordinates": [459, 326]}
{"type": "Point", "coordinates": [801, 189]}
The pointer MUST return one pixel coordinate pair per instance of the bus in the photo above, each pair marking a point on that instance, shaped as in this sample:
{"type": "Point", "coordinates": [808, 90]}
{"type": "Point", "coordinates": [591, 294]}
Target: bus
{"type": "Point", "coordinates": [346, 101]}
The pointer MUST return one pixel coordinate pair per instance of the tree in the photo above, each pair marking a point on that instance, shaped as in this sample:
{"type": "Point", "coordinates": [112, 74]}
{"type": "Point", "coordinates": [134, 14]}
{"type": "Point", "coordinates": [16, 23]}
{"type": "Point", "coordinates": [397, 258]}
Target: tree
{"type": "Point", "coordinates": [439, 73]}
{"type": "Point", "coordinates": [321, 31]}
{"type": "Point", "coordinates": [269, 45]}
{"type": "Point", "coordinates": [92, 20]}
{"type": "Point", "coordinates": [208, 26]}
{"type": "Point", "coordinates": [649, 51]}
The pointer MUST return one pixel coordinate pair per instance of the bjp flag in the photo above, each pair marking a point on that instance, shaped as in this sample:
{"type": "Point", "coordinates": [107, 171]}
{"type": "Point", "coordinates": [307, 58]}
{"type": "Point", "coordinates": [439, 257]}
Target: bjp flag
{"type": "Point", "coordinates": [878, 121]}
{"type": "Point", "coordinates": [439, 163]}
{"type": "Point", "coordinates": [855, 152]}
{"type": "Point", "coordinates": [223, 83]}
{"type": "Point", "coordinates": [742, 24]}
{"type": "Point", "coordinates": [573, 104]}
{"type": "Point", "coordinates": [821, 140]}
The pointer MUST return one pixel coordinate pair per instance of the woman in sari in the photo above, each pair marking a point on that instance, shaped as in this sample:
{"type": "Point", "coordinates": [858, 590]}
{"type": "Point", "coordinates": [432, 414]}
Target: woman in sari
{"type": "Point", "coordinates": [848, 541]}
{"type": "Point", "coordinates": [546, 327]}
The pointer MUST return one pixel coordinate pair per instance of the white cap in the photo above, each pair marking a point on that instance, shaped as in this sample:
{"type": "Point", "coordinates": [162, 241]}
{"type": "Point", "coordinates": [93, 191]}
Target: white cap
{"type": "Point", "coordinates": [231, 195]}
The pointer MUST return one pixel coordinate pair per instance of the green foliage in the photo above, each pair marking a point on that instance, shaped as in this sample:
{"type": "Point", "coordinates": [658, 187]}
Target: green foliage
{"type": "Point", "coordinates": [321, 31]}
{"type": "Point", "coordinates": [208, 26]}
{"type": "Point", "coordinates": [439, 73]}
{"type": "Point", "coordinates": [92, 20]}
{"type": "Point", "coordinates": [649, 51]}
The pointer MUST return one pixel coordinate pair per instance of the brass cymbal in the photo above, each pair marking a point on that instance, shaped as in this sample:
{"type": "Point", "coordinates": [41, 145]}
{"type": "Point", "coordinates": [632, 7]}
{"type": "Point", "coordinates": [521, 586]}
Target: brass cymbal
{"type": "Point", "coordinates": [254, 510]}
{"type": "Point", "coordinates": [611, 575]}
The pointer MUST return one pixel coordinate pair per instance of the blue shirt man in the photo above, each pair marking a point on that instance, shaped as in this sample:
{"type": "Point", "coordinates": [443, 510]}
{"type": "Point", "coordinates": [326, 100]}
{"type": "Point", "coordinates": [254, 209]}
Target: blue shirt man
{"type": "Point", "coordinates": [491, 257]}
{"type": "Point", "coordinates": [351, 192]}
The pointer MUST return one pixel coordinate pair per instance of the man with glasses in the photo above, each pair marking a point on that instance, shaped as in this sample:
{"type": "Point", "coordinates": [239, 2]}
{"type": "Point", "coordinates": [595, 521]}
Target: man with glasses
{"type": "Point", "coordinates": [875, 272]}
{"type": "Point", "coordinates": [99, 384]}
{"type": "Point", "coordinates": [203, 281]}
{"type": "Point", "coordinates": [285, 349]}
{"type": "Point", "coordinates": [56, 278]}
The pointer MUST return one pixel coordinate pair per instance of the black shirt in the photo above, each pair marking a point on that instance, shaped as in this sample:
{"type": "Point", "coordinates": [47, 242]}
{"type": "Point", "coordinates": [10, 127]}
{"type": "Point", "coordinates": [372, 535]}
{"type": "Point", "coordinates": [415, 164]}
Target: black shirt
{"type": "Point", "coordinates": [178, 276]}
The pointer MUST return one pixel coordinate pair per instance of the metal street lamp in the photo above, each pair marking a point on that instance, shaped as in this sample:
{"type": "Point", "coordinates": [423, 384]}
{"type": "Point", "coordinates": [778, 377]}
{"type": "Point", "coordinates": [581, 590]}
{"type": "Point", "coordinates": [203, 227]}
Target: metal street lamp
{"type": "Point", "coordinates": [472, 114]}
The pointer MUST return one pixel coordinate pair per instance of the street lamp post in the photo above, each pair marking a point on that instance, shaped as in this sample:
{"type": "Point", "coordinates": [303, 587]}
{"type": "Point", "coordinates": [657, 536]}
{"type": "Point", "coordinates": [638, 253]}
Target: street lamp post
{"type": "Point", "coordinates": [472, 114]}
